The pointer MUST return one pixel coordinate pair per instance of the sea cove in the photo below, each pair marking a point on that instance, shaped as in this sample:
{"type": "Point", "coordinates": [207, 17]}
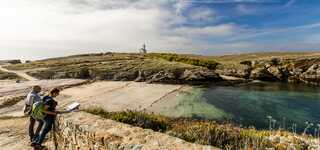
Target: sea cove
{"type": "Point", "coordinates": [251, 104]}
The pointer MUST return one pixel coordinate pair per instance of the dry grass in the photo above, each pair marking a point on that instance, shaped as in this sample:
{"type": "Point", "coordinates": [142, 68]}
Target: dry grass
{"type": "Point", "coordinates": [11, 101]}
{"type": "Point", "coordinates": [225, 136]}
{"type": "Point", "coordinates": [99, 66]}
{"type": "Point", "coordinates": [8, 76]}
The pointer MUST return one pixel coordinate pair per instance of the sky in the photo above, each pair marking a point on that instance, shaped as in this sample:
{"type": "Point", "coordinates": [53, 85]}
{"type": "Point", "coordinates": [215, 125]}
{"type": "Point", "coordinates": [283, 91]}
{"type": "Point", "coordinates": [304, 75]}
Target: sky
{"type": "Point", "coordinates": [37, 29]}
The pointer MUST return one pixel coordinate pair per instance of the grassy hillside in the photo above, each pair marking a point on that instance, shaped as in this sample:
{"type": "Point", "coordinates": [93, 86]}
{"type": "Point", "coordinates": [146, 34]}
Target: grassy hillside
{"type": "Point", "coordinates": [200, 61]}
{"type": "Point", "coordinates": [116, 66]}
{"type": "Point", "coordinates": [192, 60]}
{"type": "Point", "coordinates": [164, 67]}
{"type": "Point", "coordinates": [8, 76]}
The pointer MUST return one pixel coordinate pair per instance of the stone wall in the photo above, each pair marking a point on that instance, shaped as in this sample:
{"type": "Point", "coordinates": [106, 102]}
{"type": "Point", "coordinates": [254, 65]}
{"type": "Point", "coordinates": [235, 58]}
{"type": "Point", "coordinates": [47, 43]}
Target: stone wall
{"type": "Point", "coordinates": [80, 130]}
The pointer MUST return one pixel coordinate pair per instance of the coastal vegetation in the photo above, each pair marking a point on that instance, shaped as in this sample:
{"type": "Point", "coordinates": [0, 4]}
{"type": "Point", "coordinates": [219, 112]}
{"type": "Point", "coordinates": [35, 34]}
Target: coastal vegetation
{"type": "Point", "coordinates": [225, 136]}
{"type": "Point", "coordinates": [297, 67]}
{"type": "Point", "coordinates": [204, 62]}
{"type": "Point", "coordinates": [117, 67]}
{"type": "Point", "coordinates": [8, 76]}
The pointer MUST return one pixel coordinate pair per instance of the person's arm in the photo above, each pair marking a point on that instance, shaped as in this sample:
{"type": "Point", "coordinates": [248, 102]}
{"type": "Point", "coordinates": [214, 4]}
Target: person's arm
{"type": "Point", "coordinates": [30, 100]}
{"type": "Point", "coordinates": [46, 111]}
{"type": "Point", "coordinates": [63, 111]}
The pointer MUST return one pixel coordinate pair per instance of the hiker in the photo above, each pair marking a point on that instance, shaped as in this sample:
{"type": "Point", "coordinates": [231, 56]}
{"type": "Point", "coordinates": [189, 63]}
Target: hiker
{"type": "Point", "coordinates": [32, 98]}
{"type": "Point", "coordinates": [50, 113]}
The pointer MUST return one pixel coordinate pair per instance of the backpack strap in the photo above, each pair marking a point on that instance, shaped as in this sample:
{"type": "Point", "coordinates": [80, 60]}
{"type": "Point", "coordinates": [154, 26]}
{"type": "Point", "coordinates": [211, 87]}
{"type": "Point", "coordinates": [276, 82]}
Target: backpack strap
{"type": "Point", "coordinates": [46, 98]}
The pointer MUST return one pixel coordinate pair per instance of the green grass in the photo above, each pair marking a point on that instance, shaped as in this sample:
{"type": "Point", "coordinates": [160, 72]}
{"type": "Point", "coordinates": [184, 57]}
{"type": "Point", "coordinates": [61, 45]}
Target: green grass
{"type": "Point", "coordinates": [140, 119]}
{"type": "Point", "coordinates": [199, 131]}
{"type": "Point", "coordinates": [203, 62]}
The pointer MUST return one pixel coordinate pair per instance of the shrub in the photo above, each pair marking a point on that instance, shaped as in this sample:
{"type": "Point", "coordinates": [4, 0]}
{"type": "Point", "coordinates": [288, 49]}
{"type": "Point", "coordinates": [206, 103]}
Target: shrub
{"type": "Point", "coordinates": [84, 73]}
{"type": "Point", "coordinates": [140, 119]}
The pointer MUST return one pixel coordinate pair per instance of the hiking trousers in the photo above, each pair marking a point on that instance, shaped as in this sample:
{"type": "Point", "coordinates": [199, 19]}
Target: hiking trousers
{"type": "Point", "coordinates": [48, 124]}
{"type": "Point", "coordinates": [33, 135]}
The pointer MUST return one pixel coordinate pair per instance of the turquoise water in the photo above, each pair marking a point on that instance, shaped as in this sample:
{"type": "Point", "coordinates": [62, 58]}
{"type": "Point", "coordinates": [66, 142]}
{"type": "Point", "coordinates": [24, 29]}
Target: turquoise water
{"type": "Point", "coordinates": [249, 105]}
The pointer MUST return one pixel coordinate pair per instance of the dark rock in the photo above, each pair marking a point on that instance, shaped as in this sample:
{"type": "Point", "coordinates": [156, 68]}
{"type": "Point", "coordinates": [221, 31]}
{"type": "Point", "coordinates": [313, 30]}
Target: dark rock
{"type": "Point", "coordinates": [262, 74]}
{"type": "Point", "coordinates": [14, 61]}
{"type": "Point", "coordinates": [247, 72]}
{"type": "Point", "coordinates": [84, 73]}
{"type": "Point", "coordinates": [249, 63]}
{"type": "Point", "coordinates": [275, 61]}
{"type": "Point", "coordinates": [163, 76]}
{"type": "Point", "coordinates": [293, 79]}
{"type": "Point", "coordinates": [200, 75]}
{"type": "Point", "coordinates": [276, 72]}
{"type": "Point", "coordinates": [126, 76]}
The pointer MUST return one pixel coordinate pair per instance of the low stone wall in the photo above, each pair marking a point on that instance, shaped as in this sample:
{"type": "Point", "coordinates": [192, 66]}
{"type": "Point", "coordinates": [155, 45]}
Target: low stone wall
{"type": "Point", "coordinates": [81, 130]}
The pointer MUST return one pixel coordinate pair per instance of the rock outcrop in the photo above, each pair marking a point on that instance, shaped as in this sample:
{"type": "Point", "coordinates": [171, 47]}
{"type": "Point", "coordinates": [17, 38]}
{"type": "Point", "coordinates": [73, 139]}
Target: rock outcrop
{"type": "Point", "coordinates": [312, 75]}
{"type": "Point", "coordinates": [191, 76]}
{"type": "Point", "coordinates": [85, 131]}
{"type": "Point", "coordinates": [276, 69]}
{"type": "Point", "coordinates": [262, 74]}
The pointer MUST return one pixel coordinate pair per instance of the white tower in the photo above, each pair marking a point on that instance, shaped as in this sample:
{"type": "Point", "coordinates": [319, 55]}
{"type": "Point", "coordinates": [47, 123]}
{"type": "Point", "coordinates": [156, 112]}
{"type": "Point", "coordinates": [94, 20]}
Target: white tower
{"type": "Point", "coordinates": [143, 50]}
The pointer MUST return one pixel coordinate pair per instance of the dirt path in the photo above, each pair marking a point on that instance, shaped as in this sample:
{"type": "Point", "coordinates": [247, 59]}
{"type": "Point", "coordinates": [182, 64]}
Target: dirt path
{"type": "Point", "coordinates": [22, 74]}
{"type": "Point", "coordinates": [13, 134]}
{"type": "Point", "coordinates": [10, 90]}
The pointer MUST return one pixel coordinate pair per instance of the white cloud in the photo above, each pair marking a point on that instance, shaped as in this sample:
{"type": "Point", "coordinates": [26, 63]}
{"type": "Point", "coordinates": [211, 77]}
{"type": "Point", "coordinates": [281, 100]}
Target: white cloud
{"type": "Point", "coordinates": [202, 14]}
{"type": "Point", "coordinates": [41, 28]}
{"type": "Point", "coordinates": [181, 5]}
{"type": "Point", "coordinates": [254, 33]}
{"type": "Point", "coordinates": [218, 30]}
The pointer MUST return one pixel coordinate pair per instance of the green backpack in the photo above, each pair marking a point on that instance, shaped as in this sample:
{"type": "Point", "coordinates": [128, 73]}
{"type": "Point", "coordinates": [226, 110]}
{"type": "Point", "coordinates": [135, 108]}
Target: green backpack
{"type": "Point", "coordinates": [38, 110]}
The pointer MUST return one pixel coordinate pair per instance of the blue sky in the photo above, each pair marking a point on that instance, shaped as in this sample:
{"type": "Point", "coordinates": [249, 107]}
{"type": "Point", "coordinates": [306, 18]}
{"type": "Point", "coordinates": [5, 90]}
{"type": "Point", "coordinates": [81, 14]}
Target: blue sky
{"type": "Point", "coordinates": [35, 29]}
{"type": "Point", "coordinates": [269, 25]}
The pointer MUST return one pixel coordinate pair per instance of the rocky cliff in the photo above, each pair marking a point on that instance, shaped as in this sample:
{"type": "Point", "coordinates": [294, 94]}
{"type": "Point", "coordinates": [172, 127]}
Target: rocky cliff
{"type": "Point", "coordinates": [173, 68]}
{"type": "Point", "coordinates": [297, 70]}
{"type": "Point", "coordinates": [85, 131]}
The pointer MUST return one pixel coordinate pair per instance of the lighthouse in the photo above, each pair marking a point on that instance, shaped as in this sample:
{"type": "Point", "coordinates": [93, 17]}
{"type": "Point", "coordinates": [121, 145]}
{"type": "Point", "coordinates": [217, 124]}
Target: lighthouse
{"type": "Point", "coordinates": [143, 50]}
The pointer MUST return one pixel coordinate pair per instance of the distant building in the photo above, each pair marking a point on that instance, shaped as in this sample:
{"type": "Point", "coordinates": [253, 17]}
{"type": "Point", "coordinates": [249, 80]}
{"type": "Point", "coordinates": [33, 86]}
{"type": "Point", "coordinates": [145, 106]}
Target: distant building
{"type": "Point", "coordinates": [143, 50]}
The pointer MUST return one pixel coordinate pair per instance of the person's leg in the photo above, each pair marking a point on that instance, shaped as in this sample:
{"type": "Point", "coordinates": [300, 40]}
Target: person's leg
{"type": "Point", "coordinates": [31, 126]}
{"type": "Point", "coordinates": [48, 123]}
{"type": "Point", "coordinates": [36, 134]}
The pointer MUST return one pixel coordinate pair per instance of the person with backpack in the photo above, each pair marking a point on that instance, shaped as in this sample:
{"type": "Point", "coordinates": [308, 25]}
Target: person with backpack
{"type": "Point", "coordinates": [46, 110]}
{"type": "Point", "coordinates": [33, 97]}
